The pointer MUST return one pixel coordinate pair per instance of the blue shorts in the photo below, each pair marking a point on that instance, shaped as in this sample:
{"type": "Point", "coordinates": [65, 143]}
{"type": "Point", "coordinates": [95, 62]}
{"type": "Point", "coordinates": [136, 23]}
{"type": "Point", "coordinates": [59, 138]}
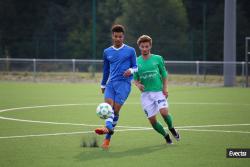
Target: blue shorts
{"type": "Point", "coordinates": [118, 91]}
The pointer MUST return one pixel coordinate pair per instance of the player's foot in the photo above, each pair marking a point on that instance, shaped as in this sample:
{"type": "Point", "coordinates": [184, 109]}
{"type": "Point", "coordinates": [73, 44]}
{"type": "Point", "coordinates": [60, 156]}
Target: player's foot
{"type": "Point", "coordinates": [103, 130]}
{"type": "Point", "coordinates": [175, 134]}
{"type": "Point", "coordinates": [105, 144]}
{"type": "Point", "coordinates": [168, 139]}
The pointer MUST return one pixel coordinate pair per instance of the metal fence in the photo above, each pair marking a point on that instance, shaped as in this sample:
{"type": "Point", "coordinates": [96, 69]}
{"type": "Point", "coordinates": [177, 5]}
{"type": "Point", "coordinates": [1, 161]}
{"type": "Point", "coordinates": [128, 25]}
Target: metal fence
{"type": "Point", "coordinates": [76, 70]}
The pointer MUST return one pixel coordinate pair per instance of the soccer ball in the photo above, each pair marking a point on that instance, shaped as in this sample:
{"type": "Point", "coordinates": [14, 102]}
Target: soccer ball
{"type": "Point", "coordinates": [104, 110]}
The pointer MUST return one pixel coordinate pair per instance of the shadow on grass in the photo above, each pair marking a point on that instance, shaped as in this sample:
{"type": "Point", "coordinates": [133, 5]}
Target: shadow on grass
{"type": "Point", "coordinates": [97, 153]}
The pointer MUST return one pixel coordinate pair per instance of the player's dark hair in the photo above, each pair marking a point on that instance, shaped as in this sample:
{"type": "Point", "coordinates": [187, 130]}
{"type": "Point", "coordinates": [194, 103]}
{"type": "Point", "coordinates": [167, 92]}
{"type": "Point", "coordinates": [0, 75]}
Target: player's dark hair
{"type": "Point", "coordinates": [118, 28]}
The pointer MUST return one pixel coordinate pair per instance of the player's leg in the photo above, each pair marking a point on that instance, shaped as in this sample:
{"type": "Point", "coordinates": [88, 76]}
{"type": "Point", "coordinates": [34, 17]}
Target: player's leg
{"type": "Point", "coordinates": [109, 121]}
{"type": "Point", "coordinates": [169, 121]}
{"type": "Point", "coordinates": [110, 124]}
{"type": "Point", "coordinates": [117, 108]}
{"type": "Point", "coordinates": [162, 105]}
{"type": "Point", "coordinates": [159, 128]}
{"type": "Point", "coordinates": [114, 121]}
{"type": "Point", "coordinates": [109, 95]}
{"type": "Point", "coordinates": [150, 108]}
{"type": "Point", "coordinates": [108, 129]}
{"type": "Point", "coordinates": [120, 93]}
{"type": "Point", "coordinates": [122, 90]}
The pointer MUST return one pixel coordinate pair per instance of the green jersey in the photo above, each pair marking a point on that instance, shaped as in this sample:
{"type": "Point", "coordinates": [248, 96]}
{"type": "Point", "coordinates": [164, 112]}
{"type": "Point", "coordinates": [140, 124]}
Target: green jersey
{"type": "Point", "coordinates": [150, 72]}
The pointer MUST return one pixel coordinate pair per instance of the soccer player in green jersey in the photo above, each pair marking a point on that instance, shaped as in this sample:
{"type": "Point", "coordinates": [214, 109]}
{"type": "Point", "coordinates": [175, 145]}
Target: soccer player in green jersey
{"type": "Point", "coordinates": [151, 80]}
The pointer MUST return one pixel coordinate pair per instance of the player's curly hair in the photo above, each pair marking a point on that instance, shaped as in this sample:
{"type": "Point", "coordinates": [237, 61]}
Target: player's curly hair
{"type": "Point", "coordinates": [118, 28]}
{"type": "Point", "coordinates": [144, 38]}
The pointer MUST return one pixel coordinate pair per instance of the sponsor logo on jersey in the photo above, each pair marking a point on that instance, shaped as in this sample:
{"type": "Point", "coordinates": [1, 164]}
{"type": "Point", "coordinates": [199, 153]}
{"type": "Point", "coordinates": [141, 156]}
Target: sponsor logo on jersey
{"type": "Point", "coordinates": [149, 74]}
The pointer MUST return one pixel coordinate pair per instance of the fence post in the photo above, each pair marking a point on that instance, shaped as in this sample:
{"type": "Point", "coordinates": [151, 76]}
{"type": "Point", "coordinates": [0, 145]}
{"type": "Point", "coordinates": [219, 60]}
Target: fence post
{"type": "Point", "coordinates": [197, 72]}
{"type": "Point", "coordinates": [242, 72]}
{"type": "Point", "coordinates": [73, 76]}
{"type": "Point", "coordinates": [73, 65]}
{"type": "Point", "coordinates": [7, 64]}
{"type": "Point", "coordinates": [34, 70]}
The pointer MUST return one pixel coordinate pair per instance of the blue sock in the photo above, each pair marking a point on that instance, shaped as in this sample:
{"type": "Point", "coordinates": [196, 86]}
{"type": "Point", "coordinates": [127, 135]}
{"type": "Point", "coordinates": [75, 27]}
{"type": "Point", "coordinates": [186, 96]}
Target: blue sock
{"type": "Point", "coordinates": [115, 120]}
{"type": "Point", "coordinates": [109, 125]}
{"type": "Point", "coordinates": [109, 122]}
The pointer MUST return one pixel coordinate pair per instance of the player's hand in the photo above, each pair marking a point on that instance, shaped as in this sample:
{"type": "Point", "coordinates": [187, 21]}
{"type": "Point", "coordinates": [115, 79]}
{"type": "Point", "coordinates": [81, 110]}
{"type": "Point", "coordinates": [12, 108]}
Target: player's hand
{"type": "Point", "coordinates": [103, 89]}
{"type": "Point", "coordinates": [127, 73]}
{"type": "Point", "coordinates": [165, 93]}
{"type": "Point", "coordinates": [140, 86]}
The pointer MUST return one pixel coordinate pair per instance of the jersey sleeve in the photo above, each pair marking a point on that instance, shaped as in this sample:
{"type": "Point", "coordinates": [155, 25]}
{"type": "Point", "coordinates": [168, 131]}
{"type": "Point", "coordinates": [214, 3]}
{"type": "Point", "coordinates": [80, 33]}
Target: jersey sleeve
{"type": "Point", "coordinates": [134, 67]}
{"type": "Point", "coordinates": [162, 68]}
{"type": "Point", "coordinates": [105, 70]}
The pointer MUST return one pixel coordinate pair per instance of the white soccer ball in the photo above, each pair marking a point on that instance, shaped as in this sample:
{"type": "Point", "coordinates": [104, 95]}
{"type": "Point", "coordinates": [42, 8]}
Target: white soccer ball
{"type": "Point", "coordinates": [104, 110]}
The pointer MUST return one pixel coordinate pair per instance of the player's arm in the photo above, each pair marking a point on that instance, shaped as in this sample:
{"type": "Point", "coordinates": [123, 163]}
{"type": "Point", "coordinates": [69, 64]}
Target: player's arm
{"type": "Point", "coordinates": [139, 85]}
{"type": "Point", "coordinates": [137, 82]}
{"type": "Point", "coordinates": [105, 73]}
{"type": "Point", "coordinates": [164, 75]}
{"type": "Point", "coordinates": [165, 87]}
{"type": "Point", "coordinates": [133, 67]}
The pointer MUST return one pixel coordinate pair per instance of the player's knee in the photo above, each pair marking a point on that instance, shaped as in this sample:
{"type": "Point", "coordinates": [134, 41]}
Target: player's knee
{"type": "Point", "coordinates": [164, 111]}
{"type": "Point", "coordinates": [152, 120]}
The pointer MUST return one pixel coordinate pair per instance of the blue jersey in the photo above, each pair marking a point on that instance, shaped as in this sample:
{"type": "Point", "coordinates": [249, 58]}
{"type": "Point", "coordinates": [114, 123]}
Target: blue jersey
{"type": "Point", "coordinates": [116, 62]}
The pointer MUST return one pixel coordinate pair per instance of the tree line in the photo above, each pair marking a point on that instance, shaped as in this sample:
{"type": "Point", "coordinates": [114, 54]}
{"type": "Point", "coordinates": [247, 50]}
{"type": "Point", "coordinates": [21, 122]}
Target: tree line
{"type": "Point", "coordinates": [181, 29]}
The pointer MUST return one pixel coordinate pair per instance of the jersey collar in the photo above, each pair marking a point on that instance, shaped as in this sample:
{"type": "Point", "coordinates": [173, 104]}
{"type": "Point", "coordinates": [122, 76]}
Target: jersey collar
{"type": "Point", "coordinates": [119, 47]}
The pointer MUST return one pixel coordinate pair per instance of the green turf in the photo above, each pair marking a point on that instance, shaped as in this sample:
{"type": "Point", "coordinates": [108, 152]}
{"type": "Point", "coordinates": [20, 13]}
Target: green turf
{"type": "Point", "coordinates": [190, 106]}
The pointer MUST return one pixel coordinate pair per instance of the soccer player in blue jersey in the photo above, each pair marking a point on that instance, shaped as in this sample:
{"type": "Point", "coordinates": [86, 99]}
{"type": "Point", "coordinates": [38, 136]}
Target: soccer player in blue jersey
{"type": "Point", "coordinates": [119, 64]}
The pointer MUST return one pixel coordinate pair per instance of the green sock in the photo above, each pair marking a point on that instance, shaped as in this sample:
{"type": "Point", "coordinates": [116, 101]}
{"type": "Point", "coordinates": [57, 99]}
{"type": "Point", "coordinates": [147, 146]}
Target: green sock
{"type": "Point", "coordinates": [168, 119]}
{"type": "Point", "coordinates": [159, 128]}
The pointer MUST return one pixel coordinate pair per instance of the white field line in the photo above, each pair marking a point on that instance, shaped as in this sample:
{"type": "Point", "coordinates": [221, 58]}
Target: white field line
{"type": "Point", "coordinates": [61, 123]}
{"type": "Point", "coordinates": [210, 130]}
{"type": "Point", "coordinates": [206, 126]}
{"type": "Point", "coordinates": [132, 127]}
{"type": "Point", "coordinates": [41, 135]}
{"type": "Point", "coordinates": [46, 122]}
{"type": "Point", "coordinates": [92, 104]}
{"type": "Point", "coordinates": [122, 130]}
{"type": "Point", "coordinates": [46, 106]}
{"type": "Point", "coordinates": [95, 104]}
{"type": "Point", "coordinates": [66, 133]}
{"type": "Point", "coordinates": [55, 123]}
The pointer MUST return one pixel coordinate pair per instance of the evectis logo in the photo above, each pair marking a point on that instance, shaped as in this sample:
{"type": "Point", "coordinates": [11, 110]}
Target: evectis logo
{"type": "Point", "coordinates": [238, 153]}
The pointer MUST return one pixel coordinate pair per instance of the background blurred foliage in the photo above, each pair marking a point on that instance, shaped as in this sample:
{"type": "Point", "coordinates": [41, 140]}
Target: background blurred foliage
{"type": "Point", "coordinates": [181, 29]}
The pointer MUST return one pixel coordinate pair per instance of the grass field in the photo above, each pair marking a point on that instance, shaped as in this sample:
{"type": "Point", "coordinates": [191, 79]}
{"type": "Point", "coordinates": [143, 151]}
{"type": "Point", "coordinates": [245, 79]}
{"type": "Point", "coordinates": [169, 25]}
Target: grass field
{"type": "Point", "coordinates": [83, 77]}
{"type": "Point", "coordinates": [46, 124]}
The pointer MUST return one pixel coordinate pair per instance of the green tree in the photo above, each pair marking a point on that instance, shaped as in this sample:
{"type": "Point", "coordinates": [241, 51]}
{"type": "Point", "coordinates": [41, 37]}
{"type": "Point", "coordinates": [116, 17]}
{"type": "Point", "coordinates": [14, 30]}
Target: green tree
{"type": "Point", "coordinates": [50, 34]}
{"type": "Point", "coordinates": [215, 33]}
{"type": "Point", "coordinates": [105, 19]}
{"type": "Point", "coordinates": [243, 30]}
{"type": "Point", "coordinates": [164, 20]}
{"type": "Point", "coordinates": [215, 27]}
{"type": "Point", "coordinates": [78, 21]}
